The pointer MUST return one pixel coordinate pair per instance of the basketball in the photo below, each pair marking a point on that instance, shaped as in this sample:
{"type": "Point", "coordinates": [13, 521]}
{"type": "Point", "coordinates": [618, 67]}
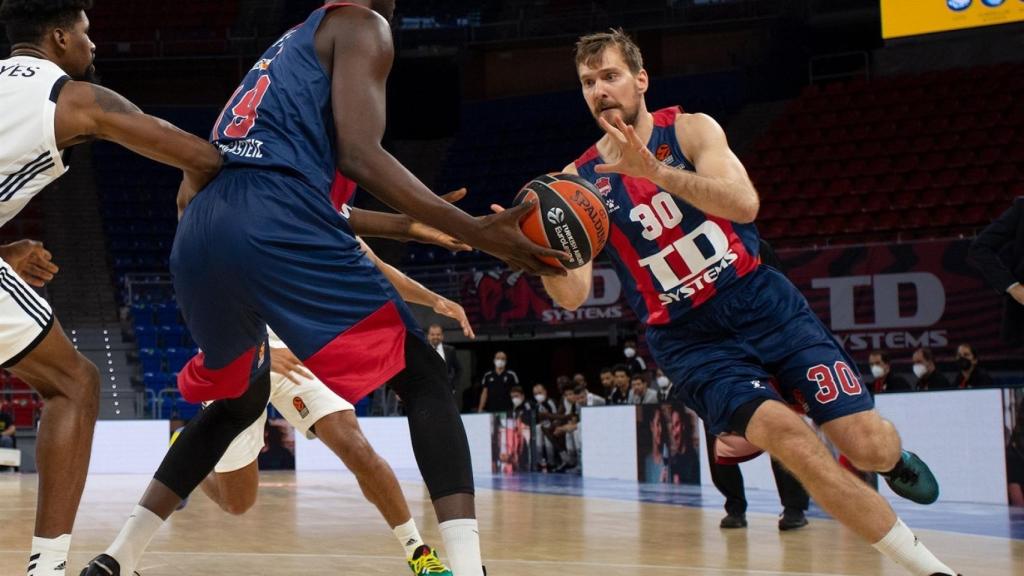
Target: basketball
{"type": "Point", "coordinates": [569, 216]}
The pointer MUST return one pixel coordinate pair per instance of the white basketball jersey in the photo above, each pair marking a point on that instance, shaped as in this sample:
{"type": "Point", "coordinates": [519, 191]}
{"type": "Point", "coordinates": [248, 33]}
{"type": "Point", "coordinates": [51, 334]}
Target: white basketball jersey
{"type": "Point", "coordinates": [29, 159]}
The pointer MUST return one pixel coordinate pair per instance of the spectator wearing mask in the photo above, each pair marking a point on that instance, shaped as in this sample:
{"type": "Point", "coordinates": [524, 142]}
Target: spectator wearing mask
{"type": "Point", "coordinates": [497, 384]}
{"type": "Point", "coordinates": [543, 409]}
{"type": "Point", "coordinates": [607, 382]}
{"type": "Point", "coordinates": [971, 374]}
{"type": "Point", "coordinates": [620, 380]}
{"type": "Point", "coordinates": [519, 404]}
{"type": "Point", "coordinates": [565, 433]}
{"type": "Point", "coordinates": [634, 363]}
{"type": "Point", "coordinates": [435, 336]}
{"type": "Point", "coordinates": [885, 380]}
{"type": "Point", "coordinates": [664, 385]}
{"type": "Point", "coordinates": [928, 378]}
{"type": "Point", "coordinates": [641, 392]}
{"type": "Point", "coordinates": [998, 253]}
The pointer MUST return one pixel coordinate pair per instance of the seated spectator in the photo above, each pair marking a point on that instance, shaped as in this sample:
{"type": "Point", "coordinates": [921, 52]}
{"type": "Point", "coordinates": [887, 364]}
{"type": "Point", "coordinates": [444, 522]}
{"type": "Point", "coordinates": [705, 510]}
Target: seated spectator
{"type": "Point", "coordinates": [607, 382]}
{"type": "Point", "coordinates": [664, 385]}
{"type": "Point", "coordinates": [7, 430]}
{"type": "Point", "coordinates": [885, 380]}
{"type": "Point", "coordinates": [641, 392]}
{"type": "Point", "coordinates": [620, 378]}
{"type": "Point", "coordinates": [634, 363]}
{"type": "Point", "coordinates": [928, 378]}
{"type": "Point", "coordinates": [543, 409]}
{"type": "Point", "coordinates": [519, 405]}
{"type": "Point", "coordinates": [565, 434]}
{"type": "Point", "coordinates": [971, 374]}
{"type": "Point", "coordinates": [585, 397]}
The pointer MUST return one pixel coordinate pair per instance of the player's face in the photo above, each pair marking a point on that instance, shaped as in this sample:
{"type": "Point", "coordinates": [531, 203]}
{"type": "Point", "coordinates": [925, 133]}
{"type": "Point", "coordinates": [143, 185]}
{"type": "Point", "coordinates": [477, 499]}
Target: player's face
{"type": "Point", "coordinates": [611, 90]}
{"type": "Point", "coordinates": [79, 51]}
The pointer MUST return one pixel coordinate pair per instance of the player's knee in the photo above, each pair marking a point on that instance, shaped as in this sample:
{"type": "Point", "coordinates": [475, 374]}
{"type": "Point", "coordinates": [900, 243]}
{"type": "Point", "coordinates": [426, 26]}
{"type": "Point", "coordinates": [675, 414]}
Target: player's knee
{"type": "Point", "coordinates": [873, 453]}
{"type": "Point", "coordinates": [237, 503]}
{"type": "Point", "coordinates": [83, 386]}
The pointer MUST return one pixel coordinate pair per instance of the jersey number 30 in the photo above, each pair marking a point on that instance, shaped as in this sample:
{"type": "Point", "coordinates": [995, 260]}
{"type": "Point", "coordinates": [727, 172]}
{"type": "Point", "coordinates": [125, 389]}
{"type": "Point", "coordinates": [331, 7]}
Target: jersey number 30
{"type": "Point", "coordinates": [245, 112]}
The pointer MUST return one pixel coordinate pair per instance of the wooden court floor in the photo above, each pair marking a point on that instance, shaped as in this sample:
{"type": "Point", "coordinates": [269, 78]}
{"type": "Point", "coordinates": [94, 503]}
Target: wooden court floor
{"type": "Point", "coordinates": [318, 524]}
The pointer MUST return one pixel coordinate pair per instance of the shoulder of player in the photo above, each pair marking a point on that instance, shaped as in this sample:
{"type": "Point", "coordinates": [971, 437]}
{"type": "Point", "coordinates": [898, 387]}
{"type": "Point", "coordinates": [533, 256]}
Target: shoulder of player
{"type": "Point", "coordinates": [357, 25]}
{"type": "Point", "coordinates": [695, 132]}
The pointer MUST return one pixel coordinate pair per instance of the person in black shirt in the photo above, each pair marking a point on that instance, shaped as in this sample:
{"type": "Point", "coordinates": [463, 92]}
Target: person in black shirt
{"type": "Point", "coordinates": [634, 363]}
{"type": "Point", "coordinates": [497, 383]}
{"type": "Point", "coordinates": [7, 430]}
{"type": "Point", "coordinates": [620, 381]}
{"type": "Point", "coordinates": [998, 253]}
{"type": "Point", "coordinates": [607, 382]}
{"type": "Point", "coordinates": [971, 374]}
{"type": "Point", "coordinates": [928, 378]}
{"type": "Point", "coordinates": [885, 380]}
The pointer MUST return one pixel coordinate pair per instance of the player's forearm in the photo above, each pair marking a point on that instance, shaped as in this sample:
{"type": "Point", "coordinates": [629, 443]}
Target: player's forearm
{"type": "Point", "coordinates": [569, 291]}
{"type": "Point", "coordinates": [373, 224]}
{"type": "Point", "coordinates": [410, 290]}
{"type": "Point", "coordinates": [734, 201]}
{"type": "Point", "coordinates": [384, 177]}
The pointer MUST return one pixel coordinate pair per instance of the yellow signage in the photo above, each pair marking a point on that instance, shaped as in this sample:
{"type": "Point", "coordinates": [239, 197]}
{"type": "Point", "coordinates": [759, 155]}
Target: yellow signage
{"type": "Point", "coordinates": [911, 17]}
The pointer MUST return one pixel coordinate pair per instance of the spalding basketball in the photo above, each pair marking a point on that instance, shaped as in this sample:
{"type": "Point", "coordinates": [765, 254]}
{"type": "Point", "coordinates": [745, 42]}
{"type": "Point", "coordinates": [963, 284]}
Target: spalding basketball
{"type": "Point", "coordinates": [569, 216]}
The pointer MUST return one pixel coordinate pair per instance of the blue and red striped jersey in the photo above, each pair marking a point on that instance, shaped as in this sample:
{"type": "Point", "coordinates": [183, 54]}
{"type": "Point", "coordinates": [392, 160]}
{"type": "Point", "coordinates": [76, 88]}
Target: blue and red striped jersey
{"type": "Point", "coordinates": [280, 117]}
{"type": "Point", "coordinates": [670, 256]}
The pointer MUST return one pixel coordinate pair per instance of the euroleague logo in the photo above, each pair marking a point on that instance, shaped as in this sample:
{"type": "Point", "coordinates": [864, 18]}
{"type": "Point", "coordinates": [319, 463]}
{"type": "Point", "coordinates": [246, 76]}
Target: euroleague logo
{"type": "Point", "coordinates": [960, 5]}
{"type": "Point", "coordinates": [300, 406]}
{"type": "Point", "coordinates": [556, 216]}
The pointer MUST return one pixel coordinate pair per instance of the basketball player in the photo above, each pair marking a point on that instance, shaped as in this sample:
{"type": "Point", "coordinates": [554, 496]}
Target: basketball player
{"type": "Point", "coordinates": [48, 106]}
{"type": "Point", "coordinates": [720, 324]}
{"type": "Point", "coordinates": [262, 245]}
{"type": "Point", "coordinates": [313, 409]}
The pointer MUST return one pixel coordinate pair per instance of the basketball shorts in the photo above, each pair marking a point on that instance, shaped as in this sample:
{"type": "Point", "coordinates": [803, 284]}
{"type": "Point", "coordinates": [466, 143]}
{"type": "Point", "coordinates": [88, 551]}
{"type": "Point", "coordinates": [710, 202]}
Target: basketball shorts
{"type": "Point", "coordinates": [302, 405]}
{"type": "Point", "coordinates": [258, 248]}
{"type": "Point", "coordinates": [25, 318]}
{"type": "Point", "coordinates": [726, 352]}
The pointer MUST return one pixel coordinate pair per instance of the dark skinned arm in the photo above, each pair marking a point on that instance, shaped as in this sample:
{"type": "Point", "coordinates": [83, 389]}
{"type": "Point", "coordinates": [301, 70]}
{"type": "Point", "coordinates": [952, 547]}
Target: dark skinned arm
{"type": "Point", "coordinates": [359, 42]}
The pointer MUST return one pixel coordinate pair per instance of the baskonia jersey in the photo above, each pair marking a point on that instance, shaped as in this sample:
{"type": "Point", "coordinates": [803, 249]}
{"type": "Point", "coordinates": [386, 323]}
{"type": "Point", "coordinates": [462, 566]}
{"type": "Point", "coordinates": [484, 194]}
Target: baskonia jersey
{"type": "Point", "coordinates": [670, 256]}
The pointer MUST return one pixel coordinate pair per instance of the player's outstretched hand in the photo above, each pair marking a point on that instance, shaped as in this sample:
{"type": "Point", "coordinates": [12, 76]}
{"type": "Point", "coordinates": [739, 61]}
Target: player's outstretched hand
{"type": "Point", "coordinates": [419, 232]}
{"type": "Point", "coordinates": [283, 362]}
{"type": "Point", "coordinates": [634, 158]}
{"type": "Point", "coordinates": [33, 263]}
{"type": "Point", "coordinates": [504, 239]}
{"type": "Point", "coordinates": [453, 310]}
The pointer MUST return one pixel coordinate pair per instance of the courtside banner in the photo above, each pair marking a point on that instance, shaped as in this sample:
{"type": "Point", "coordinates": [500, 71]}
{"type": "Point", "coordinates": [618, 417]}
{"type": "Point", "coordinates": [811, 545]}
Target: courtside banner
{"type": "Point", "coordinates": [912, 17]}
{"type": "Point", "coordinates": [895, 297]}
{"type": "Point", "coordinates": [900, 297]}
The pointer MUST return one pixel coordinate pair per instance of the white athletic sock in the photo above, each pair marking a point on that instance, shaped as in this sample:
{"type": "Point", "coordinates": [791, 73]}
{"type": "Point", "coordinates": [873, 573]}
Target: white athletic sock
{"type": "Point", "coordinates": [462, 543]}
{"type": "Point", "coordinates": [49, 556]}
{"type": "Point", "coordinates": [903, 548]}
{"type": "Point", "coordinates": [129, 545]}
{"type": "Point", "coordinates": [409, 537]}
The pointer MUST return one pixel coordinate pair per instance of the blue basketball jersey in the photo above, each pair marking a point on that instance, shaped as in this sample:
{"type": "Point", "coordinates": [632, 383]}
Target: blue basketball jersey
{"type": "Point", "coordinates": [280, 117]}
{"type": "Point", "coordinates": [671, 257]}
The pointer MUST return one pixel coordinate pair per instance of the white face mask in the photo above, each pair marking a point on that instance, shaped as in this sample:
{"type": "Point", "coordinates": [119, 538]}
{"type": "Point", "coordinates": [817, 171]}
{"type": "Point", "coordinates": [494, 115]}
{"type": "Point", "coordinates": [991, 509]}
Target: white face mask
{"type": "Point", "coordinates": [517, 401]}
{"type": "Point", "coordinates": [540, 398]}
{"type": "Point", "coordinates": [877, 371]}
{"type": "Point", "coordinates": [499, 363]}
{"type": "Point", "coordinates": [663, 382]}
{"type": "Point", "coordinates": [920, 370]}
{"type": "Point", "coordinates": [629, 352]}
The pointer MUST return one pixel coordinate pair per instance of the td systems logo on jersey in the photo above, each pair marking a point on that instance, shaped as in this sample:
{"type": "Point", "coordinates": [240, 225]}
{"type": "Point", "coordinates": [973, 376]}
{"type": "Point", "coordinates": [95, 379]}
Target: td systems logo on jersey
{"type": "Point", "coordinates": [705, 253]}
{"type": "Point", "coordinates": [891, 328]}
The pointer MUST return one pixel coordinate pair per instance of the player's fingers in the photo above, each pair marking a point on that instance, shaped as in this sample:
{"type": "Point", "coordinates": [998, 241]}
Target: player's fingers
{"type": "Point", "coordinates": [612, 130]}
{"type": "Point", "coordinates": [33, 281]}
{"type": "Point", "coordinates": [497, 208]}
{"type": "Point", "coordinates": [301, 370]}
{"type": "Point", "coordinates": [518, 211]}
{"type": "Point", "coordinates": [40, 274]}
{"type": "Point", "coordinates": [454, 196]}
{"type": "Point", "coordinates": [45, 265]}
{"type": "Point", "coordinates": [607, 168]}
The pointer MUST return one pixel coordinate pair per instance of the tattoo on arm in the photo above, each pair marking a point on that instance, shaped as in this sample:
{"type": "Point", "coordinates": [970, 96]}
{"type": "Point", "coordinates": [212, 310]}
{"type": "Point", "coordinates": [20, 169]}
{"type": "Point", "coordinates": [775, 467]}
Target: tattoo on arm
{"type": "Point", "coordinates": [110, 101]}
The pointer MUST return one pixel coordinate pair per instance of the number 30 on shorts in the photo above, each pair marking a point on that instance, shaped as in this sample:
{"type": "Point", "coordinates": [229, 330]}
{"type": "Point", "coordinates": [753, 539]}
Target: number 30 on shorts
{"type": "Point", "coordinates": [831, 380]}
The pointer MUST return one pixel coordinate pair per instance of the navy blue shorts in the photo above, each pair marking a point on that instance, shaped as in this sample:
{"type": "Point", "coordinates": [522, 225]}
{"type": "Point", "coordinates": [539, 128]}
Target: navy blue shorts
{"type": "Point", "coordinates": [258, 248]}
{"type": "Point", "coordinates": [726, 353]}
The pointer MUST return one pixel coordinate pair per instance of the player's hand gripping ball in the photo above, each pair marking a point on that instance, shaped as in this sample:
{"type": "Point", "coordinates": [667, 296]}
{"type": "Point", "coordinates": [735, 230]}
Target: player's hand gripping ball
{"type": "Point", "coordinates": [569, 215]}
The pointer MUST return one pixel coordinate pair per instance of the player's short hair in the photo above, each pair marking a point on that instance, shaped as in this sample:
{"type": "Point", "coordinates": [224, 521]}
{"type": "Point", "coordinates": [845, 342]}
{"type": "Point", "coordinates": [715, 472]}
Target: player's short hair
{"type": "Point", "coordinates": [589, 49]}
{"type": "Point", "coordinates": [28, 20]}
{"type": "Point", "coordinates": [620, 368]}
{"type": "Point", "coordinates": [883, 355]}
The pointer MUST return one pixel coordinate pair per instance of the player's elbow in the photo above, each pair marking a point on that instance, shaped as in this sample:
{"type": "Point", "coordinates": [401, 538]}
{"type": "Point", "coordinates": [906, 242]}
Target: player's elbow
{"type": "Point", "coordinates": [355, 160]}
{"type": "Point", "coordinates": [746, 212]}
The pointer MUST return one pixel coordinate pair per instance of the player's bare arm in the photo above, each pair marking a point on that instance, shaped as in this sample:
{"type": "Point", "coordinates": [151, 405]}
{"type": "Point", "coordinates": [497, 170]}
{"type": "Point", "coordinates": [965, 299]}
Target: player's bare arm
{"type": "Point", "coordinates": [86, 111]}
{"type": "Point", "coordinates": [357, 48]}
{"type": "Point", "coordinates": [570, 291]}
{"type": "Point", "coordinates": [416, 293]}
{"type": "Point", "coordinates": [720, 186]}
{"type": "Point", "coordinates": [400, 227]}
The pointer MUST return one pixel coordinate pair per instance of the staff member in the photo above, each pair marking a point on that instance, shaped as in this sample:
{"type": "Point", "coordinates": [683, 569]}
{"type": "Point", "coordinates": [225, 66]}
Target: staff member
{"type": "Point", "coordinates": [998, 253]}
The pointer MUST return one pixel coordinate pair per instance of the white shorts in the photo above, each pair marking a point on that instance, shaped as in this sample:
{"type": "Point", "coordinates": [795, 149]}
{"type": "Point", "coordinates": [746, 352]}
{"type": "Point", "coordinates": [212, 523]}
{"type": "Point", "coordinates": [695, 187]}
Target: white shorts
{"type": "Point", "coordinates": [302, 405]}
{"type": "Point", "coordinates": [25, 318]}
